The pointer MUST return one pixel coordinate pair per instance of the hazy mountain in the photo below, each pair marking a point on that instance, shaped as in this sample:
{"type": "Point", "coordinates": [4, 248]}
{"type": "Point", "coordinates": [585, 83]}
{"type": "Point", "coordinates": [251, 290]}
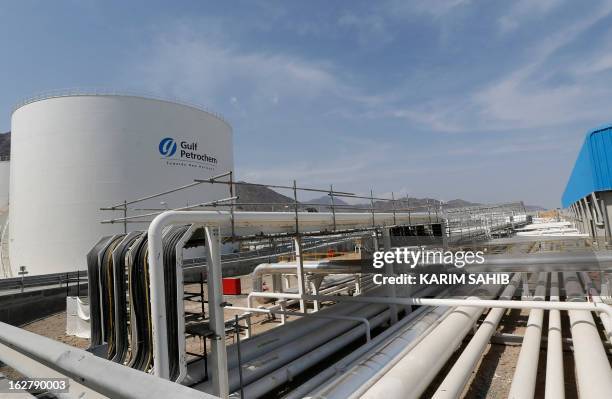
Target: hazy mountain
{"type": "Point", "coordinates": [325, 200]}
{"type": "Point", "coordinates": [248, 194]}
{"type": "Point", "coordinates": [256, 194]}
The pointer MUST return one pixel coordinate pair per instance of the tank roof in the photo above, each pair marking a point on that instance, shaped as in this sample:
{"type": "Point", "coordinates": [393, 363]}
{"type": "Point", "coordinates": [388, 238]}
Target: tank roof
{"type": "Point", "coordinates": [115, 93]}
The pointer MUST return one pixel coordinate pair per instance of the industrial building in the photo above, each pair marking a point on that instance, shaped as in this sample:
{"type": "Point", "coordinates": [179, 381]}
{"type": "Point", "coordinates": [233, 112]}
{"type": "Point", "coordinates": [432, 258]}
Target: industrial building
{"type": "Point", "coordinates": [75, 153]}
{"type": "Point", "coordinates": [588, 194]}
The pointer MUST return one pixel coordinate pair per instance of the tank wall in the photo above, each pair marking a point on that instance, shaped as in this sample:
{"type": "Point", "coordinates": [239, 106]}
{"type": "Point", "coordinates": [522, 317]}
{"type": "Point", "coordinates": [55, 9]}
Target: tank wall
{"type": "Point", "coordinates": [4, 191]}
{"type": "Point", "coordinates": [71, 156]}
{"type": "Point", "coordinates": [4, 183]}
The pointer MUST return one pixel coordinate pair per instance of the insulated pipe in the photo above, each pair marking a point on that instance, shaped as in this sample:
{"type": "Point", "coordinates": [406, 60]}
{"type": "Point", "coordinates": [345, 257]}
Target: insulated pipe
{"type": "Point", "coordinates": [286, 373]}
{"type": "Point", "coordinates": [31, 368]}
{"type": "Point", "coordinates": [526, 371]}
{"type": "Point", "coordinates": [377, 342]}
{"type": "Point", "coordinates": [411, 375]}
{"type": "Point", "coordinates": [317, 380]}
{"type": "Point", "coordinates": [258, 367]}
{"type": "Point", "coordinates": [381, 358]}
{"type": "Point", "coordinates": [363, 320]}
{"type": "Point", "coordinates": [458, 376]}
{"type": "Point", "coordinates": [215, 309]}
{"type": "Point", "coordinates": [555, 388]}
{"type": "Point", "coordinates": [161, 366]}
{"type": "Point", "coordinates": [269, 341]}
{"type": "Point", "coordinates": [593, 372]}
{"type": "Point", "coordinates": [100, 375]}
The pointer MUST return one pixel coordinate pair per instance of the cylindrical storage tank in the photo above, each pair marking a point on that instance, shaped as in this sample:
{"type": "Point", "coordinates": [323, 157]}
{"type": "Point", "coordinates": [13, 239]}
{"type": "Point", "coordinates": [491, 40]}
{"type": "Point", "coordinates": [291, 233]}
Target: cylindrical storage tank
{"type": "Point", "coordinates": [5, 270]}
{"type": "Point", "coordinates": [72, 155]}
{"type": "Point", "coordinates": [4, 184]}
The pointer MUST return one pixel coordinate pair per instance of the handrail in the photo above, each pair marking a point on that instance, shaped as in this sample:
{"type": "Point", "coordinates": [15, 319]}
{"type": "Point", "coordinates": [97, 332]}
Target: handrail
{"type": "Point", "coordinates": [83, 91]}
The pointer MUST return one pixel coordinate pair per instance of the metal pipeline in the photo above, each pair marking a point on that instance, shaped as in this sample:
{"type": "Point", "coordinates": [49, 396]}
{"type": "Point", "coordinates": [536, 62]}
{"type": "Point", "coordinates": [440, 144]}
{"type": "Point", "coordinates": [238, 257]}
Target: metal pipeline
{"type": "Point", "coordinates": [287, 372]}
{"type": "Point", "coordinates": [313, 315]}
{"type": "Point", "coordinates": [271, 360]}
{"type": "Point", "coordinates": [367, 369]}
{"type": "Point", "coordinates": [555, 388]}
{"type": "Point", "coordinates": [100, 375]}
{"type": "Point", "coordinates": [593, 372]}
{"type": "Point", "coordinates": [317, 381]}
{"type": "Point", "coordinates": [524, 380]}
{"type": "Point", "coordinates": [344, 364]}
{"type": "Point", "coordinates": [413, 373]}
{"type": "Point", "coordinates": [33, 369]}
{"type": "Point", "coordinates": [458, 376]}
{"type": "Point", "coordinates": [271, 340]}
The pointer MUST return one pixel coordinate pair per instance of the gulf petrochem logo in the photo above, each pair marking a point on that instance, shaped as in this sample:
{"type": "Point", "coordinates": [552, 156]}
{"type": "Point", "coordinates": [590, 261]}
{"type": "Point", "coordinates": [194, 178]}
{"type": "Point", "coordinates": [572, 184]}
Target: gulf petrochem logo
{"type": "Point", "coordinates": [167, 147]}
{"type": "Point", "coordinates": [186, 154]}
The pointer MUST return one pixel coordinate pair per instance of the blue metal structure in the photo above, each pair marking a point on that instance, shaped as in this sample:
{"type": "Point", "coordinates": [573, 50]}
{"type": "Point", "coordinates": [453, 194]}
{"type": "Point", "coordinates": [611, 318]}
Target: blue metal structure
{"type": "Point", "coordinates": [593, 169]}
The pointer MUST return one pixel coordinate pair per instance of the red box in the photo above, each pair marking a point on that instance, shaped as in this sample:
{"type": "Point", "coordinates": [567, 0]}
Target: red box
{"type": "Point", "coordinates": [231, 286]}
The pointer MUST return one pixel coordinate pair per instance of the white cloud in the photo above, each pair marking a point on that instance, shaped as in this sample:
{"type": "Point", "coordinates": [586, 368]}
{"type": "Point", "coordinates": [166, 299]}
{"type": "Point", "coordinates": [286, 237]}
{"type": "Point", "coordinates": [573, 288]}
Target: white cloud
{"type": "Point", "coordinates": [198, 67]}
{"type": "Point", "coordinates": [525, 10]}
{"type": "Point", "coordinates": [371, 29]}
{"type": "Point", "coordinates": [524, 98]}
{"type": "Point", "coordinates": [435, 9]}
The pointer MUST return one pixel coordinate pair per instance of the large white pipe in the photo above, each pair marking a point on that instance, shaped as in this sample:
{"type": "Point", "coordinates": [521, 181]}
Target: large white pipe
{"type": "Point", "coordinates": [286, 373]}
{"type": "Point", "coordinates": [269, 341]}
{"type": "Point", "coordinates": [318, 380]}
{"type": "Point", "coordinates": [593, 372]}
{"type": "Point", "coordinates": [458, 376]}
{"type": "Point", "coordinates": [100, 375]}
{"type": "Point", "coordinates": [258, 367]}
{"type": "Point", "coordinates": [524, 379]}
{"type": "Point", "coordinates": [314, 315]}
{"type": "Point", "coordinates": [555, 387]}
{"type": "Point", "coordinates": [33, 369]}
{"type": "Point", "coordinates": [215, 309]}
{"type": "Point", "coordinates": [414, 372]}
{"type": "Point", "coordinates": [377, 361]}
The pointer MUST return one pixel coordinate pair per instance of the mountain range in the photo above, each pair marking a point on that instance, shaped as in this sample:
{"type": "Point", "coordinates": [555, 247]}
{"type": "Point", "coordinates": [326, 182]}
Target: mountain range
{"type": "Point", "coordinates": [270, 200]}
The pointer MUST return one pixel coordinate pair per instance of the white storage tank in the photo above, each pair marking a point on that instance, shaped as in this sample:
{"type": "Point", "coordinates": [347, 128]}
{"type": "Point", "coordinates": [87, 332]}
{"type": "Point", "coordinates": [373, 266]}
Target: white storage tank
{"type": "Point", "coordinates": [72, 155]}
{"type": "Point", "coordinates": [4, 183]}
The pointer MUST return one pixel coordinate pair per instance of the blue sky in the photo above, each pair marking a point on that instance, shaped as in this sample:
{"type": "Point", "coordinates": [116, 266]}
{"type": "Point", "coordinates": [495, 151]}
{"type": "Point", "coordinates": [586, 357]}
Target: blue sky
{"type": "Point", "coordinates": [482, 100]}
